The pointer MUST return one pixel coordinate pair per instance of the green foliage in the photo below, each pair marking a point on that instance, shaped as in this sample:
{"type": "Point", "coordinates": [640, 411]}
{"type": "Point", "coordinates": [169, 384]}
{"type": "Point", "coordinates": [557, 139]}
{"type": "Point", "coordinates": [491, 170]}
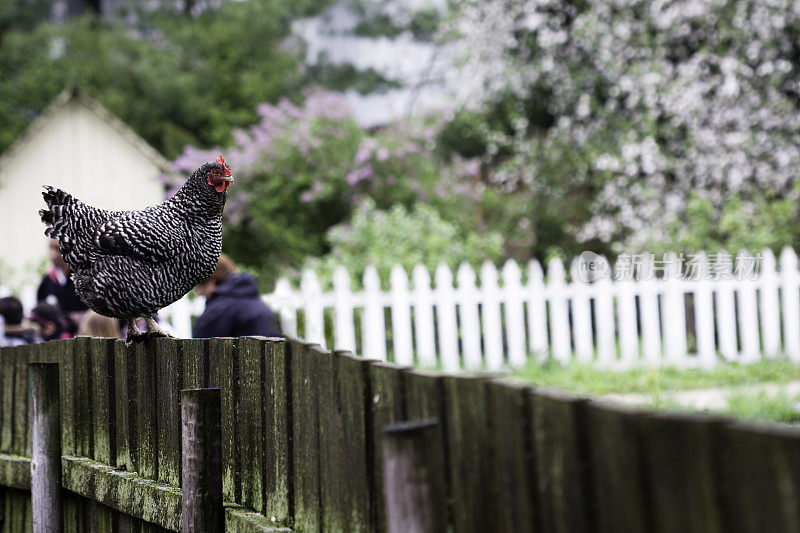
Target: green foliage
{"type": "Point", "coordinates": [383, 238]}
{"type": "Point", "coordinates": [424, 24]}
{"type": "Point", "coordinates": [766, 222]}
{"type": "Point", "coordinates": [176, 80]}
{"type": "Point", "coordinates": [340, 77]}
{"type": "Point", "coordinates": [377, 25]}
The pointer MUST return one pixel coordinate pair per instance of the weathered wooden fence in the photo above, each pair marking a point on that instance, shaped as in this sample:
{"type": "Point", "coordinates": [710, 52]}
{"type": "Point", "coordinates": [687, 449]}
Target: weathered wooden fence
{"type": "Point", "coordinates": [301, 446]}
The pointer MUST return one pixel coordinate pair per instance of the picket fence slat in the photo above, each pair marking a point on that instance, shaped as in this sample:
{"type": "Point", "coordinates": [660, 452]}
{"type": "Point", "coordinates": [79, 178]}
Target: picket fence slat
{"type": "Point", "coordinates": [790, 300]}
{"type": "Point", "coordinates": [770, 312]}
{"type": "Point", "coordinates": [726, 307]}
{"type": "Point", "coordinates": [581, 317]}
{"type": "Point", "coordinates": [688, 310]}
{"type": "Point", "coordinates": [468, 317]}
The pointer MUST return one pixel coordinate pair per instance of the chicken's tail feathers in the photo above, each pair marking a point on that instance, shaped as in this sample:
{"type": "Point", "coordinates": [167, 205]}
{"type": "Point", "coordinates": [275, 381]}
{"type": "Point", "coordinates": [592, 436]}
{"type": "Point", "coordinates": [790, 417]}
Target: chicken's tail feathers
{"type": "Point", "coordinates": [58, 225]}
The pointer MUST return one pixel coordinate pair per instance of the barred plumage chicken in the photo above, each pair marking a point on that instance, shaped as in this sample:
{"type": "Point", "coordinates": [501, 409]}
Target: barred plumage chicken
{"type": "Point", "coordinates": [130, 264]}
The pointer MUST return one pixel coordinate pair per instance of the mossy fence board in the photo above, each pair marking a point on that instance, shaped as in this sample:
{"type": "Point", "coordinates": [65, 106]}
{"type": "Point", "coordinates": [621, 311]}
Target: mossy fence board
{"type": "Point", "coordinates": [301, 443]}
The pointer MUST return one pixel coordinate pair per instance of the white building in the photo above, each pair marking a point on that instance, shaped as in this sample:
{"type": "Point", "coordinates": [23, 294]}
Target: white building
{"type": "Point", "coordinates": [78, 146]}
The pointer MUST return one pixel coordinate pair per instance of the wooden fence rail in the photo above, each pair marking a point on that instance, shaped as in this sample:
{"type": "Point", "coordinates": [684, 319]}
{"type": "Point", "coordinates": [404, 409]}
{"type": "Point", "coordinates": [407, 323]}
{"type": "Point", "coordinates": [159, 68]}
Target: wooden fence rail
{"type": "Point", "coordinates": [301, 446]}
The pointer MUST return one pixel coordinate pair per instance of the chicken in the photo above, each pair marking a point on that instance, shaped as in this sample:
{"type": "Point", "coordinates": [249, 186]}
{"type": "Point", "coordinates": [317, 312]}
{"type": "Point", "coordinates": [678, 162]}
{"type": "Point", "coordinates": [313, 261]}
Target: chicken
{"type": "Point", "coordinates": [130, 264]}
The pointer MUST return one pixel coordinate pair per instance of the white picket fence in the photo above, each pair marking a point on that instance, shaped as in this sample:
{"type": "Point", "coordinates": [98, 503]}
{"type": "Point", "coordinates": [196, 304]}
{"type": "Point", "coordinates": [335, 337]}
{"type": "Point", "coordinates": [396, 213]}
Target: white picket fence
{"type": "Point", "coordinates": [493, 320]}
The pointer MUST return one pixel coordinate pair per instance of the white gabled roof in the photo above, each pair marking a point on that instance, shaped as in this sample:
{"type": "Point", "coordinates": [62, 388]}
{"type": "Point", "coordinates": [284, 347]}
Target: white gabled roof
{"type": "Point", "coordinates": [75, 94]}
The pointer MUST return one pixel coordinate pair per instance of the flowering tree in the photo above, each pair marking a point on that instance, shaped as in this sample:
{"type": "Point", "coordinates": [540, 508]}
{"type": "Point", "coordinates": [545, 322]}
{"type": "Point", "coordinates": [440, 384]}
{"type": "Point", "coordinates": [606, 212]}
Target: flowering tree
{"type": "Point", "coordinates": [652, 102]}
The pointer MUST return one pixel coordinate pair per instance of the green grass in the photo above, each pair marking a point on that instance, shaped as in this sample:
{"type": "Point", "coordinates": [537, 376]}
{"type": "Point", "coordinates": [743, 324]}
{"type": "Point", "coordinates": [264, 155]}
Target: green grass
{"type": "Point", "coordinates": [585, 379]}
{"type": "Point", "coordinates": [761, 406]}
{"type": "Point", "coordinates": [658, 383]}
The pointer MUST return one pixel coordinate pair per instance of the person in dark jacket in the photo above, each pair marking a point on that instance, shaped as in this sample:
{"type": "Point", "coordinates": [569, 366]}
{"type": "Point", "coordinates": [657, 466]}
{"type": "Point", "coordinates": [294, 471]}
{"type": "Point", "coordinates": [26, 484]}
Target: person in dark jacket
{"type": "Point", "coordinates": [57, 287]}
{"type": "Point", "coordinates": [233, 305]}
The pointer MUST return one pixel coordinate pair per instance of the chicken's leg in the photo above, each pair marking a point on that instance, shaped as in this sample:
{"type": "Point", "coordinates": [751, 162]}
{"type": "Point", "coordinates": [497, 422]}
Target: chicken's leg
{"type": "Point", "coordinates": [153, 329]}
{"type": "Point", "coordinates": [134, 335]}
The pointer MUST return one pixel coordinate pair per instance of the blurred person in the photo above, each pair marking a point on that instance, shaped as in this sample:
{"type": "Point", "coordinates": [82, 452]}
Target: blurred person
{"type": "Point", "coordinates": [53, 323]}
{"type": "Point", "coordinates": [97, 325]}
{"type": "Point", "coordinates": [57, 287]}
{"type": "Point", "coordinates": [15, 330]}
{"type": "Point", "coordinates": [233, 305]}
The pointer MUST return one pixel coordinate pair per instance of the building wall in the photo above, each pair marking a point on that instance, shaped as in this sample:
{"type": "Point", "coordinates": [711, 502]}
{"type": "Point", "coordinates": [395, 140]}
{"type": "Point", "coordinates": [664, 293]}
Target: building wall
{"type": "Point", "coordinates": [83, 154]}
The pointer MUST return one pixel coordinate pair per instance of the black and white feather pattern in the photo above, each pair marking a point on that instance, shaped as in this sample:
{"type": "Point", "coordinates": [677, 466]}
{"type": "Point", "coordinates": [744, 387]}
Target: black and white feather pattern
{"type": "Point", "coordinates": [128, 264]}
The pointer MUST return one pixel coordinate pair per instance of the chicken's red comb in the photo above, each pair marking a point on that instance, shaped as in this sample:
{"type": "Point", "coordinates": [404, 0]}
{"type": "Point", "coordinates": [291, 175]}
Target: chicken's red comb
{"type": "Point", "coordinates": [221, 161]}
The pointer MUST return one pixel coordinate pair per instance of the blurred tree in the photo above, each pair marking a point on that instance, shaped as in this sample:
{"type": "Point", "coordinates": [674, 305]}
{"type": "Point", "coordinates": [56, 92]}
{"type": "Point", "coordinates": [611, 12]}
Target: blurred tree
{"type": "Point", "coordinates": [23, 15]}
{"type": "Point", "coordinates": [650, 102]}
{"type": "Point", "coordinates": [176, 81]}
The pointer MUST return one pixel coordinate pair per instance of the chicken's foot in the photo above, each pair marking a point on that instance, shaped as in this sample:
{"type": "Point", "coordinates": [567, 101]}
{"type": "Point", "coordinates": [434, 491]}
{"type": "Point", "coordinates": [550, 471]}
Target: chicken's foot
{"type": "Point", "coordinates": [154, 330]}
{"type": "Point", "coordinates": [134, 335]}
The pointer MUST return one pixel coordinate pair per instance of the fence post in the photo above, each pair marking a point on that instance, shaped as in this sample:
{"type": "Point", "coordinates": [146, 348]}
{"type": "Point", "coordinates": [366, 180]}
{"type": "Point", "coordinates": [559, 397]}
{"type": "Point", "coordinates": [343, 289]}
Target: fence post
{"type": "Point", "coordinates": [45, 420]}
{"type": "Point", "coordinates": [201, 460]}
{"type": "Point", "coordinates": [413, 477]}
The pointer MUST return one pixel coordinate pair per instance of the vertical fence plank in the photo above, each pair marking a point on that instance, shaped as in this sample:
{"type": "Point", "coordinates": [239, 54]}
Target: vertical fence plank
{"type": "Point", "coordinates": [604, 319]}
{"type": "Point", "coordinates": [125, 405]}
{"type": "Point", "coordinates": [7, 409]}
{"type": "Point", "coordinates": [146, 408]}
{"type": "Point", "coordinates": [581, 315]}
{"type": "Point", "coordinates": [201, 467]}
{"type": "Point", "coordinates": [726, 307]}
{"type": "Point", "coordinates": [344, 332]}
{"type": "Point", "coordinates": [467, 296]}
{"type": "Point", "coordinates": [45, 447]}
{"type": "Point", "coordinates": [648, 305]}
{"type": "Point", "coordinates": [790, 303]}
{"type": "Point", "coordinates": [346, 493]}
{"type": "Point", "coordinates": [250, 413]}
{"type": "Point", "coordinates": [492, 324]}
{"type": "Point", "coordinates": [331, 445]}
{"type": "Point", "coordinates": [169, 382]}
{"type": "Point", "coordinates": [680, 457]}
{"type": "Point", "coordinates": [447, 327]}
{"type": "Point", "coordinates": [278, 425]}
{"type": "Point", "coordinates": [413, 482]}
{"type": "Point", "coordinates": [103, 401]}
{"type": "Point", "coordinates": [424, 338]}
{"type": "Point", "coordinates": [469, 451]}
{"type": "Point", "coordinates": [305, 436]}
{"type": "Point", "coordinates": [559, 311]}
{"type": "Point", "coordinates": [402, 337]}
{"type": "Point", "coordinates": [704, 313]}
{"type": "Point", "coordinates": [424, 399]}
{"type": "Point", "coordinates": [224, 361]}
{"type": "Point", "coordinates": [312, 307]}
{"type": "Point", "coordinates": [21, 439]}
{"type": "Point", "coordinates": [512, 454]}
{"type": "Point", "coordinates": [674, 312]}
{"type": "Point", "coordinates": [748, 307]}
{"type": "Point", "coordinates": [759, 470]}
{"type": "Point", "coordinates": [618, 468]}
{"type": "Point", "coordinates": [537, 312]}
{"type": "Point", "coordinates": [386, 406]}
{"type": "Point", "coordinates": [770, 311]}
{"type": "Point", "coordinates": [374, 322]}
{"type": "Point", "coordinates": [515, 314]}
{"type": "Point", "coordinates": [563, 480]}
{"type": "Point", "coordinates": [195, 364]}
{"type": "Point", "coordinates": [84, 430]}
